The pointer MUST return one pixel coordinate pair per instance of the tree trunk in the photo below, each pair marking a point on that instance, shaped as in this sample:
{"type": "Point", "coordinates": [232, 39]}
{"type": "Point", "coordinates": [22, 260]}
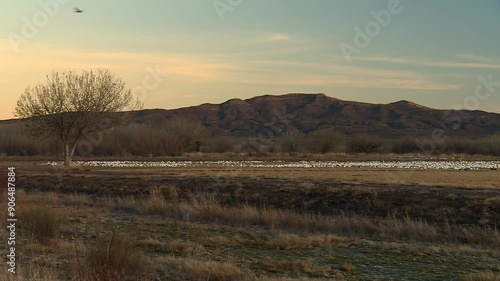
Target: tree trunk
{"type": "Point", "coordinates": [69, 152]}
{"type": "Point", "coordinates": [67, 155]}
{"type": "Point", "coordinates": [73, 148]}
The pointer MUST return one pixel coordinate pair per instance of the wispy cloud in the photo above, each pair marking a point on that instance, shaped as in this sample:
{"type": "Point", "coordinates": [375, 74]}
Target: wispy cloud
{"type": "Point", "coordinates": [278, 37]}
{"type": "Point", "coordinates": [432, 63]}
{"type": "Point", "coordinates": [327, 74]}
{"type": "Point", "coordinates": [218, 68]}
{"type": "Point", "coordinates": [471, 57]}
{"type": "Point", "coordinates": [194, 67]}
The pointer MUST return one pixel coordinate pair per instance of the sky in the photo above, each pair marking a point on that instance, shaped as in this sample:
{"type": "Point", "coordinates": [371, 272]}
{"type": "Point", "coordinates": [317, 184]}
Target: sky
{"type": "Point", "coordinates": [176, 53]}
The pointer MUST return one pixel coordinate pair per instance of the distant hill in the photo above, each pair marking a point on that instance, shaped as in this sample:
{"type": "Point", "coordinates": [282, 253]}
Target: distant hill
{"type": "Point", "coordinates": [309, 112]}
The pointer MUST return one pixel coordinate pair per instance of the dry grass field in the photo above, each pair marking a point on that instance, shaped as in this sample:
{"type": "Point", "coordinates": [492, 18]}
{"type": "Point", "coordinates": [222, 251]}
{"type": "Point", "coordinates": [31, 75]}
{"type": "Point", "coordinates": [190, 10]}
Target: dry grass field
{"type": "Point", "coordinates": [219, 223]}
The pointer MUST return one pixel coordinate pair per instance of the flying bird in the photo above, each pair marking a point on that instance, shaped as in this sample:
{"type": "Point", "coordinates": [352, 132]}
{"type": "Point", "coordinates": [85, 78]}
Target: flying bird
{"type": "Point", "coordinates": [77, 10]}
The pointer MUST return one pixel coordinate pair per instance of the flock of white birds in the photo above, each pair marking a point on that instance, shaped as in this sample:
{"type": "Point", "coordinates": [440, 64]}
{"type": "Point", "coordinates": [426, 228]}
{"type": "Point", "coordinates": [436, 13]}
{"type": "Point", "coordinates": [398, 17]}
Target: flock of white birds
{"type": "Point", "coordinates": [419, 164]}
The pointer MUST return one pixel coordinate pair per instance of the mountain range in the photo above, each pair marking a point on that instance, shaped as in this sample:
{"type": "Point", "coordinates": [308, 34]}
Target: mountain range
{"type": "Point", "coordinates": [310, 112]}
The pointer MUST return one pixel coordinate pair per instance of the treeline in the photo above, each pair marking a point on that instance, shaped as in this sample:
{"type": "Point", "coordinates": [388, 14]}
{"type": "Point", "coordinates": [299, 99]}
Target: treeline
{"type": "Point", "coordinates": [179, 136]}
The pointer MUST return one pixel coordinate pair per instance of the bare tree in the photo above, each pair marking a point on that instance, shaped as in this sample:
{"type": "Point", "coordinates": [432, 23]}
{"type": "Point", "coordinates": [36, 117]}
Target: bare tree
{"type": "Point", "coordinates": [186, 134]}
{"type": "Point", "coordinates": [325, 140]}
{"type": "Point", "coordinates": [222, 144]}
{"type": "Point", "coordinates": [291, 140]}
{"type": "Point", "coordinates": [364, 143]}
{"type": "Point", "coordinates": [71, 106]}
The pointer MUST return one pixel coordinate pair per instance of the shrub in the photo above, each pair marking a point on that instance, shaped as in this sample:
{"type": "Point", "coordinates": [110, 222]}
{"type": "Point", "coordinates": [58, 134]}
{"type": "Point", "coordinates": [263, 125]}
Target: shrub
{"type": "Point", "coordinates": [40, 222]}
{"type": "Point", "coordinates": [324, 141]}
{"type": "Point", "coordinates": [291, 140]}
{"type": "Point", "coordinates": [222, 144]}
{"type": "Point", "coordinates": [364, 143]}
{"type": "Point", "coordinates": [490, 145]}
{"type": "Point", "coordinates": [117, 260]}
{"type": "Point", "coordinates": [189, 135]}
{"type": "Point", "coordinates": [405, 145]}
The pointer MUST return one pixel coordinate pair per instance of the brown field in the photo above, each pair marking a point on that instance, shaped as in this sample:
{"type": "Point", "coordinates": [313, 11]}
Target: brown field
{"type": "Point", "coordinates": [255, 224]}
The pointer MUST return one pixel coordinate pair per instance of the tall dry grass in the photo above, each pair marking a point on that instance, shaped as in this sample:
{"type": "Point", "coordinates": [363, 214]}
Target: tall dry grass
{"type": "Point", "coordinates": [40, 222]}
{"type": "Point", "coordinates": [116, 260]}
{"type": "Point", "coordinates": [177, 246]}
{"type": "Point", "coordinates": [481, 276]}
{"type": "Point", "coordinates": [121, 258]}
{"type": "Point", "coordinates": [286, 241]}
{"type": "Point", "coordinates": [167, 203]}
{"type": "Point", "coordinates": [181, 269]}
